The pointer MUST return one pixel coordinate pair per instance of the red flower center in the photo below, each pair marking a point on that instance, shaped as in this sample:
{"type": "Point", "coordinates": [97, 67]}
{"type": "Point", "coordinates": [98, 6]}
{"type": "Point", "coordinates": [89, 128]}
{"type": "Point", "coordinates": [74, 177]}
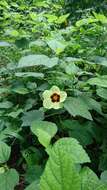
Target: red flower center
{"type": "Point", "coordinates": [55, 97]}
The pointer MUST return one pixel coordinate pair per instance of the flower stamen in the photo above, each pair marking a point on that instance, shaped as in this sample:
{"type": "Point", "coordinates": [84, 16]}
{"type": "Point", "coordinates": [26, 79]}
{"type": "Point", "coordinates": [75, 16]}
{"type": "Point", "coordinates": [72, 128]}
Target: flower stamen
{"type": "Point", "coordinates": [55, 97]}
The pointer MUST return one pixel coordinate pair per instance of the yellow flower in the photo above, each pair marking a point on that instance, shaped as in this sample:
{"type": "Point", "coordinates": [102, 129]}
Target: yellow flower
{"type": "Point", "coordinates": [53, 98]}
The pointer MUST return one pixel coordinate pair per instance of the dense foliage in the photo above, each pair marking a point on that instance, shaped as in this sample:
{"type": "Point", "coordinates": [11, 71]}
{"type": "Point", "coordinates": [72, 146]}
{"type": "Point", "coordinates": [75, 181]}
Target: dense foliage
{"type": "Point", "coordinates": [50, 141]}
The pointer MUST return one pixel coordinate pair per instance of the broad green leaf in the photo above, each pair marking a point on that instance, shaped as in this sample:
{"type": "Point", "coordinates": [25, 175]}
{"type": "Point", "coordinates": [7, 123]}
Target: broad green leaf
{"type": "Point", "coordinates": [15, 114]}
{"type": "Point", "coordinates": [104, 176]}
{"type": "Point", "coordinates": [71, 69]}
{"type": "Point", "coordinates": [5, 152]}
{"type": "Point", "coordinates": [73, 60]}
{"type": "Point", "coordinates": [51, 18]}
{"type": "Point", "coordinates": [102, 187]}
{"type": "Point", "coordinates": [4, 44]}
{"type": "Point", "coordinates": [38, 43]}
{"type": "Point", "coordinates": [9, 180]}
{"type": "Point", "coordinates": [91, 104]}
{"type": "Point", "coordinates": [33, 16]}
{"type": "Point", "coordinates": [60, 173]}
{"type": "Point", "coordinates": [89, 179]}
{"type": "Point", "coordinates": [11, 32]}
{"type": "Point", "coordinates": [31, 116]}
{"type": "Point", "coordinates": [44, 130]}
{"type": "Point", "coordinates": [77, 107]}
{"type": "Point", "coordinates": [5, 105]}
{"type": "Point", "coordinates": [66, 145]}
{"type": "Point", "coordinates": [85, 21]}
{"type": "Point", "coordinates": [20, 89]}
{"type": "Point", "coordinates": [37, 60]}
{"type": "Point", "coordinates": [62, 18]}
{"type": "Point", "coordinates": [29, 74]}
{"type": "Point", "coordinates": [11, 132]}
{"type": "Point", "coordinates": [56, 46]}
{"type": "Point", "coordinates": [99, 81]}
{"type": "Point", "coordinates": [33, 186]}
{"type": "Point", "coordinates": [102, 92]}
{"type": "Point", "coordinates": [4, 90]}
{"type": "Point", "coordinates": [100, 60]}
{"type": "Point", "coordinates": [30, 102]}
{"type": "Point", "coordinates": [100, 17]}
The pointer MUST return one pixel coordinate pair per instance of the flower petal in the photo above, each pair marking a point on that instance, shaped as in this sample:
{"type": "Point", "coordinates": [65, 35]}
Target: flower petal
{"type": "Point", "coordinates": [56, 105]}
{"type": "Point", "coordinates": [63, 96]}
{"type": "Point", "coordinates": [55, 89]}
{"type": "Point", "coordinates": [47, 103]}
{"type": "Point", "coordinates": [46, 94]}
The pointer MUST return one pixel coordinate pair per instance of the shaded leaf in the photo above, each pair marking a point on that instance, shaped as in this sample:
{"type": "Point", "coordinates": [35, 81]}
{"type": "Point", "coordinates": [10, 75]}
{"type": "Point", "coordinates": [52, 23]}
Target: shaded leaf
{"type": "Point", "coordinates": [33, 173]}
{"type": "Point", "coordinates": [31, 116]}
{"type": "Point", "coordinates": [5, 152]}
{"type": "Point", "coordinates": [33, 186]}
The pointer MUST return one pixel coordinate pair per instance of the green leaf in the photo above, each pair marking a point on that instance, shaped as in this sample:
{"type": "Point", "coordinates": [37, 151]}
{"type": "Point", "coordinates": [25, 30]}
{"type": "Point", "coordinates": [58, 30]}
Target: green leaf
{"type": "Point", "coordinates": [31, 155]}
{"type": "Point", "coordinates": [15, 114]}
{"type": "Point", "coordinates": [60, 171]}
{"type": "Point", "coordinates": [103, 159]}
{"type": "Point", "coordinates": [44, 130]}
{"type": "Point", "coordinates": [104, 176]}
{"type": "Point", "coordinates": [11, 132]}
{"type": "Point", "coordinates": [102, 187]}
{"type": "Point", "coordinates": [89, 179]}
{"type": "Point", "coordinates": [82, 132]}
{"type": "Point", "coordinates": [66, 145]}
{"type": "Point", "coordinates": [20, 89]}
{"type": "Point", "coordinates": [71, 69]}
{"type": "Point", "coordinates": [33, 173]}
{"type": "Point", "coordinates": [62, 18]}
{"type": "Point", "coordinates": [33, 186]}
{"type": "Point", "coordinates": [36, 60]}
{"type": "Point", "coordinates": [100, 17]}
{"type": "Point", "coordinates": [60, 174]}
{"type": "Point", "coordinates": [91, 104]}
{"type": "Point", "coordinates": [5, 105]}
{"type": "Point", "coordinates": [29, 74]}
{"type": "Point", "coordinates": [4, 44]}
{"type": "Point", "coordinates": [56, 46]}
{"type": "Point", "coordinates": [4, 90]}
{"type": "Point", "coordinates": [85, 21]}
{"type": "Point", "coordinates": [100, 60]}
{"type": "Point", "coordinates": [31, 116]}
{"type": "Point", "coordinates": [77, 107]}
{"type": "Point", "coordinates": [5, 152]}
{"type": "Point", "coordinates": [102, 92]}
{"type": "Point", "coordinates": [9, 180]}
{"type": "Point", "coordinates": [37, 43]}
{"type": "Point", "coordinates": [99, 81]}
